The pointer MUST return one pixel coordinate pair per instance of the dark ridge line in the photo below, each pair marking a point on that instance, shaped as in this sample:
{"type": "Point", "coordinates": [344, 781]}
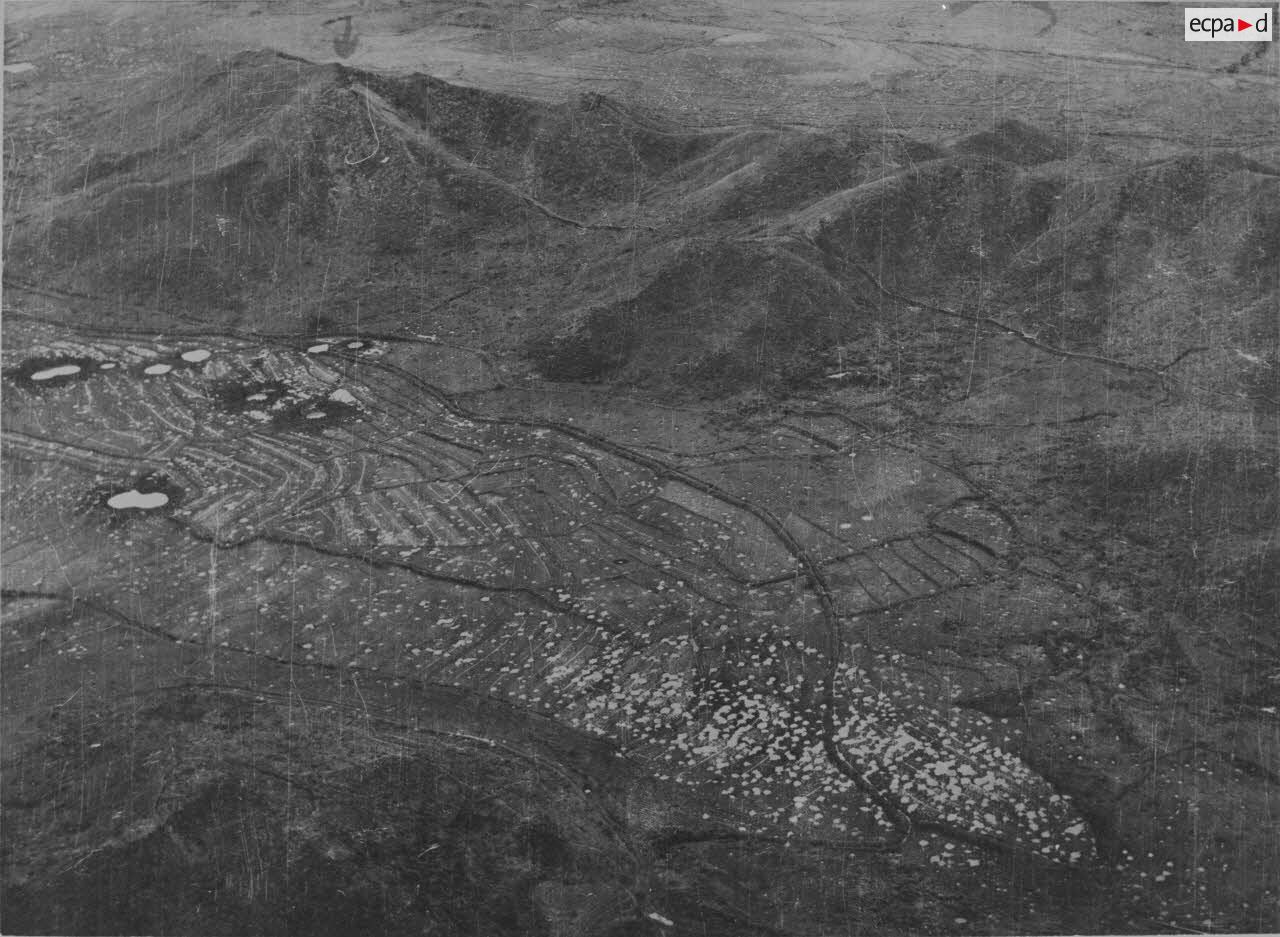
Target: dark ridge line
{"type": "Point", "coordinates": [249, 336]}
{"type": "Point", "coordinates": [983, 499]}
{"type": "Point", "coordinates": [72, 448]}
{"type": "Point", "coordinates": [708, 558]}
{"type": "Point", "coordinates": [383, 104]}
{"type": "Point", "coordinates": [895, 604]}
{"type": "Point", "coordinates": [1154, 64]}
{"type": "Point", "coordinates": [815, 437]}
{"type": "Point", "coordinates": [936, 537]}
{"type": "Point", "coordinates": [289, 782]}
{"type": "Point", "coordinates": [878, 602]}
{"type": "Point", "coordinates": [892, 547]}
{"type": "Point", "coordinates": [966, 539]}
{"type": "Point", "coordinates": [14, 594]}
{"type": "Point", "coordinates": [672, 840]}
{"type": "Point", "coordinates": [367, 558]}
{"type": "Point", "coordinates": [105, 609]}
{"type": "Point", "coordinates": [1158, 372]}
{"type": "Point", "coordinates": [1083, 418]}
{"type": "Point", "coordinates": [893, 581]}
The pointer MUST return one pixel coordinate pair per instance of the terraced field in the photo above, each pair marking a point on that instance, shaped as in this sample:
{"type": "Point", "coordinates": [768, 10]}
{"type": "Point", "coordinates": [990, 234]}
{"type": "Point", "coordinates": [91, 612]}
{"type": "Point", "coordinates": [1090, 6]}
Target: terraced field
{"type": "Point", "coordinates": [320, 505]}
{"type": "Point", "coordinates": [702, 468]}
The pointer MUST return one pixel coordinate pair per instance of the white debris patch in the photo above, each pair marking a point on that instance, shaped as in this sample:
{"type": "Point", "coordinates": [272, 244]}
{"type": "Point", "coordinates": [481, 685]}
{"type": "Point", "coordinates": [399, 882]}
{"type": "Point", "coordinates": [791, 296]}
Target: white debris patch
{"type": "Point", "coordinates": [197, 355]}
{"type": "Point", "coordinates": [342, 395]}
{"type": "Point", "coordinates": [157, 369]}
{"type": "Point", "coordinates": [745, 734]}
{"type": "Point", "coordinates": [934, 770]}
{"type": "Point", "coordinates": [319, 348]}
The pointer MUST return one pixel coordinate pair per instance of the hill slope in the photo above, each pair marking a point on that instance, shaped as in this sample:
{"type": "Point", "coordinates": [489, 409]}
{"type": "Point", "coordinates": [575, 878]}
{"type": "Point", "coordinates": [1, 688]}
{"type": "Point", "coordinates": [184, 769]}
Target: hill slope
{"type": "Point", "coordinates": [683, 259]}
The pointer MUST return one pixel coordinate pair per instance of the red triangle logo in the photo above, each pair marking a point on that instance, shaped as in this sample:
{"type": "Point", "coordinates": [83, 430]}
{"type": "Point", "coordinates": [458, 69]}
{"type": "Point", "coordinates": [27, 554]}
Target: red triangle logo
{"type": "Point", "coordinates": [1243, 24]}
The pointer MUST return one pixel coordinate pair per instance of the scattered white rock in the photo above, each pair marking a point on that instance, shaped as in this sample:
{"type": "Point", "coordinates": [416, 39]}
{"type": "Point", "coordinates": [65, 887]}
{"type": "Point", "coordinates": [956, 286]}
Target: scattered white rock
{"type": "Point", "coordinates": [342, 395]}
{"type": "Point", "coordinates": [315, 415]}
{"type": "Point", "coordinates": [318, 349]}
{"type": "Point", "coordinates": [256, 397]}
{"type": "Point", "coordinates": [196, 355]}
{"type": "Point", "coordinates": [260, 415]}
{"type": "Point", "coordinates": [356, 344]}
{"type": "Point", "coordinates": [106, 366]}
{"type": "Point", "coordinates": [155, 369]}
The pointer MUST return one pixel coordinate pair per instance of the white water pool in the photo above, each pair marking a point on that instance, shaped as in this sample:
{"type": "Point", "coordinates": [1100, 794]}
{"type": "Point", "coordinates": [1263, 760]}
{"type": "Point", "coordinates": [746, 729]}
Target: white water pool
{"type": "Point", "coordinates": [62, 370]}
{"type": "Point", "coordinates": [133, 498]}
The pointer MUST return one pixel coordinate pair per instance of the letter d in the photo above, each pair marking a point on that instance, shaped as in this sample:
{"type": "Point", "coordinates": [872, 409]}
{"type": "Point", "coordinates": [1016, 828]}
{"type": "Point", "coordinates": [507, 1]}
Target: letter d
{"type": "Point", "coordinates": [1261, 25]}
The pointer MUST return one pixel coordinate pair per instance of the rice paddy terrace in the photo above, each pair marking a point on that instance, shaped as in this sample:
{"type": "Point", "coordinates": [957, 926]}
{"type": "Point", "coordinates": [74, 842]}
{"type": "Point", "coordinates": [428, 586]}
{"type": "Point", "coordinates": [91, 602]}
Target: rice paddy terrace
{"type": "Point", "coordinates": [319, 504]}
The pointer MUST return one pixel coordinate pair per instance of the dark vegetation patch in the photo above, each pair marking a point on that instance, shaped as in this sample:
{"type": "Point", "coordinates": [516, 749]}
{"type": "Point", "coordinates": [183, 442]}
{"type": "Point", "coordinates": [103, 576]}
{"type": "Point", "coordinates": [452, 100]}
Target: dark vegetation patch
{"type": "Point", "coordinates": [1170, 507]}
{"type": "Point", "coordinates": [719, 315]}
{"type": "Point", "coordinates": [806, 167]}
{"type": "Point", "coordinates": [313, 415]}
{"type": "Point", "coordinates": [948, 229]}
{"type": "Point", "coordinates": [1013, 141]}
{"type": "Point", "coordinates": [234, 396]}
{"type": "Point", "coordinates": [1258, 262]}
{"type": "Point", "coordinates": [1171, 195]}
{"type": "Point", "coordinates": [1216, 488]}
{"type": "Point", "coordinates": [591, 149]}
